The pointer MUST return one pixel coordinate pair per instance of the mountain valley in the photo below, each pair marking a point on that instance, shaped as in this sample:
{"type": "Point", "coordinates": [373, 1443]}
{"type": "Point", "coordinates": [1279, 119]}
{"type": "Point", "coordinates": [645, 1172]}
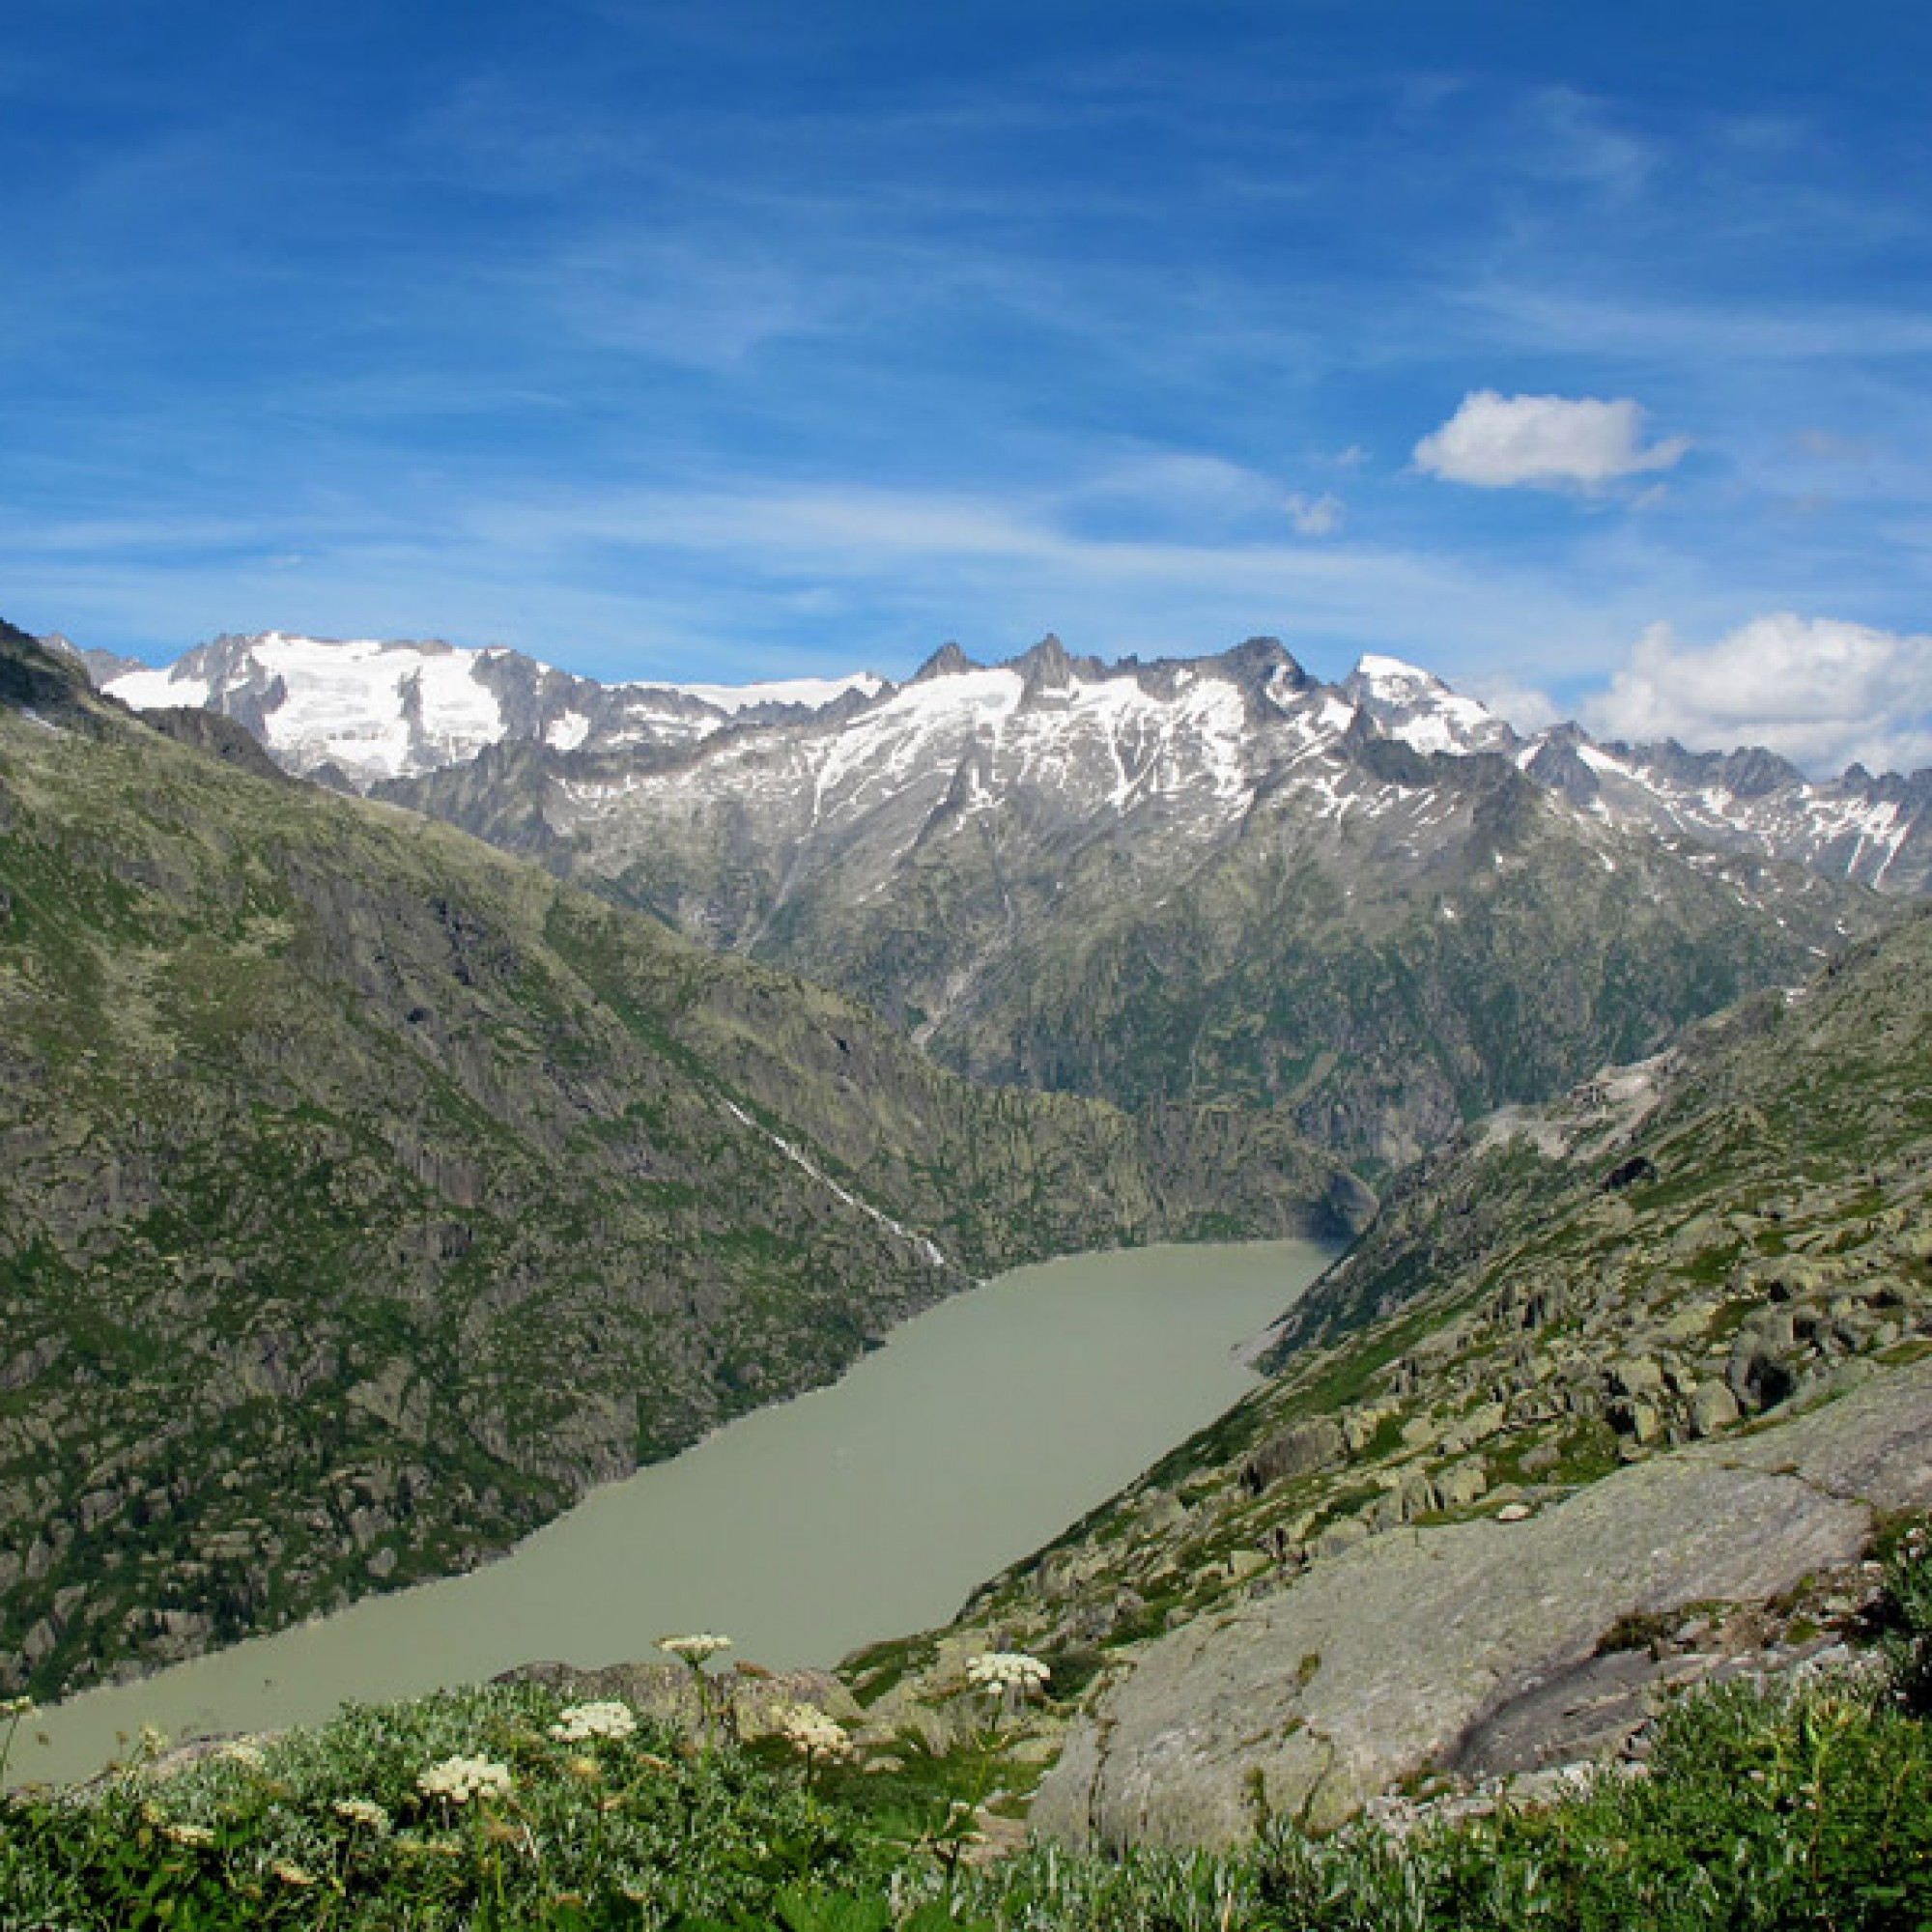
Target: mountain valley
{"type": "Point", "coordinates": [1637, 1337]}
{"type": "Point", "coordinates": [369, 1195]}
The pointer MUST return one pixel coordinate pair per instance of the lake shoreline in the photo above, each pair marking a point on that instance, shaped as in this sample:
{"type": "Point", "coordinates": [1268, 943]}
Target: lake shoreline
{"type": "Point", "coordinates": [862, 1509]}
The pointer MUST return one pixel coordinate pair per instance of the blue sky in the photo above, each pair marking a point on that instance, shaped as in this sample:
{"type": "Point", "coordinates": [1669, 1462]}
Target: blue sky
{"type": "Point", "coordinates": [1584, 356]}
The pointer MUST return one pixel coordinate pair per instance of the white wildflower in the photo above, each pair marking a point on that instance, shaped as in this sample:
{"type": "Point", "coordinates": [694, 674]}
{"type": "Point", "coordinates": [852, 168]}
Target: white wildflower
{"type": "Point", "coordinates": [290, 1873]}
{"type": "Point", "coordinates": [249, 1757]}
{"type": "Point", "coordinates": [582, 1721]}
{"type": "Point", "coordinates": [363, 1811]}
{"type": "Point", "coordinates": [459, 1779]}
{"type": "Point", "coordinates": [1007, 1670]}
{"type": "Point", "coordinates": [810, 1732]}
{"type": "Point", "coordinates": [191, 1835]}
{"type": "Point", "coordinates": [694, 1648]}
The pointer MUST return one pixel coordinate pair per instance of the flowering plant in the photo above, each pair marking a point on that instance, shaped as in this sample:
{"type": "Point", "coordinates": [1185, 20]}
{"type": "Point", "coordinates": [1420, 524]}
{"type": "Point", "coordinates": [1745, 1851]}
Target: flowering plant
{"type": "Point", "coordinates": [1010, 1672]}
{"type": "Point", "coordinates": [817, 1738]}
{"type": "Point", "coordinates": [582, 1721]}
{"type": "Point", "coordinates": [456, 1780]}
{"type": "Point", "coordinates": [697, 1649]}
{"type": "Point", "coordinates": [363, 1811]}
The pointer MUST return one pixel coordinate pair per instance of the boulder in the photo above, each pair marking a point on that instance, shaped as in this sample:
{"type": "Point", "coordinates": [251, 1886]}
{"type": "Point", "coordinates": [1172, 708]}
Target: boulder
{"type": "Point", "coordinates": [1298, 1450]}
{"type": "Point", "coordinates": [1424, 1635]}
{"type": "Point", "coordinates": [1636, 1375]}
{"type": "Point", "coordinates": [1712, 1407]}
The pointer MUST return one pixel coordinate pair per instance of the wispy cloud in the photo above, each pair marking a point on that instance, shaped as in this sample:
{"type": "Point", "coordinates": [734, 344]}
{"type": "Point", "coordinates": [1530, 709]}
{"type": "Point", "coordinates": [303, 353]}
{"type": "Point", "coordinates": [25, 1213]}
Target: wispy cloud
{"type": "Point", "coordinates": [1315, 516]}
{"type": "Point", "coordinates": [1581, 140]}
{"type": "Point", "coordinates": [1791, 326]}
{"type": "Point", "coordinates": [1826, 445]}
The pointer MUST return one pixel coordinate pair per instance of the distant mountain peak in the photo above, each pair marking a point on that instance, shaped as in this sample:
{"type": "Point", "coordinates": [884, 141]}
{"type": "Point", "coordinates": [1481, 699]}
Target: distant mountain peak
{"type": "Point", "coordinates": [947, 660]}
{"type": "Point", "coordinates": [1417, 707]}
{"type": "Point", "coordinates": [1393, 675]}
{"type": "Point", "coordinates": [1047, 663]}
{"type": "Point", "coordinates": [1259, 662]}
{"type": "Point", "coordinates": [366, 713]}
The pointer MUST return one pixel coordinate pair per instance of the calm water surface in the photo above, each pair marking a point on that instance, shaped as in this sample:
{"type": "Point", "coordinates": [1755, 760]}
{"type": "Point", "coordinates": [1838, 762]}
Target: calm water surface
{"type": "Point", "coordinates": [860, 1510]}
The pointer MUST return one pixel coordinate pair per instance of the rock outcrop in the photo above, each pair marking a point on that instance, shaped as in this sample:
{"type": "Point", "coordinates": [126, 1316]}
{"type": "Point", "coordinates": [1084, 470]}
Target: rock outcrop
{"type": "Point", "coordinates": [1387, 1661]}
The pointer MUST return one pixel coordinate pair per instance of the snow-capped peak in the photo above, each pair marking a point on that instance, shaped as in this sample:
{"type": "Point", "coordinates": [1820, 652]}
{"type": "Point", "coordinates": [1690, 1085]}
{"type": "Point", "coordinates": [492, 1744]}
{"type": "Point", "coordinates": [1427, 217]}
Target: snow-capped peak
{"type": "Point", "coordinates": [377, 710]}
{"type": "Point", "coordinates": [1417, 707]}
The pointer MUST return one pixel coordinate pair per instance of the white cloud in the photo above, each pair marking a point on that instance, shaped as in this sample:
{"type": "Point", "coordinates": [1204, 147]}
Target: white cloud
{"type": "Point", "coordinates": [1314, 516]}
{"type": "Point", "coordinates": [1520, 705]}
{"type": "Point", "coordinates": [1543, 442]}
{"type": "Point", "coordinates": [1821, 691]}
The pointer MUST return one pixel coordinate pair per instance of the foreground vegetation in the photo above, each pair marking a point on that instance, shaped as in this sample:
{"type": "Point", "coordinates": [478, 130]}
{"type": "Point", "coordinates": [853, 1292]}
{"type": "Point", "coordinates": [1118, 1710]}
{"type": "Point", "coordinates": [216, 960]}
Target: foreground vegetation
{"type": "Point", "coordinates": [1805, 1803]}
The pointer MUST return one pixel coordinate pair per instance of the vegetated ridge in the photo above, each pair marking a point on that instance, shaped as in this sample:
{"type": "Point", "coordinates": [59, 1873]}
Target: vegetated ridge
{"type": "Point", "coordinates": [365, 1194]}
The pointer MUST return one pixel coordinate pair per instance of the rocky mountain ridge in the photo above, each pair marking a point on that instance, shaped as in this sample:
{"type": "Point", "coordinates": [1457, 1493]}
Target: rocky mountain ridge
{"type": "Point", "coordinates": [366, 712]}
{"type": "Point", "coordinates": [368, 1194]}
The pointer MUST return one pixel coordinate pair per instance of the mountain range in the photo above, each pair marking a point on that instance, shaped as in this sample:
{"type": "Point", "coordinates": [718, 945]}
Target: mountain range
{"type": "Point", "coordinates": [365, 712]}
{"type": "Point", "coordinates": [1370, 906]}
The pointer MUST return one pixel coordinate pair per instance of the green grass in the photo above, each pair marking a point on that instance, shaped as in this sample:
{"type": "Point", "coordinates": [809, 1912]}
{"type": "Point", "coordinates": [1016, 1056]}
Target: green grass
{"type": "Point", "coordinates": [1806, 1805]}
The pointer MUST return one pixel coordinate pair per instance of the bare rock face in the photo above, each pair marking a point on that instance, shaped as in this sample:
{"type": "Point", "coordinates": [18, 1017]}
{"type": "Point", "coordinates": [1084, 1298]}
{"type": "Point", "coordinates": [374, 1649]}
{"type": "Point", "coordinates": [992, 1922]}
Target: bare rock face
{"type": "Point", "coordinates": [1295, 1451]}
{"type": "Point", "coordinates": [1388, 1659]}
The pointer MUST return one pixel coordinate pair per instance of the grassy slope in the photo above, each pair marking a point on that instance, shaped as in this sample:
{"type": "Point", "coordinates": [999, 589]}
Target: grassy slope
{"type": "Point", "coordinates": [1802, 1809]}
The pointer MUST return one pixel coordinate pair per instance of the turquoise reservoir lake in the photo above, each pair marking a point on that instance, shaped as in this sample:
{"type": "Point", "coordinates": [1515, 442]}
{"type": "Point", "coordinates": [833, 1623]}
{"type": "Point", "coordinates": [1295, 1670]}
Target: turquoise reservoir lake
{"type": "Point", "coordinates": [865, 1510]}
